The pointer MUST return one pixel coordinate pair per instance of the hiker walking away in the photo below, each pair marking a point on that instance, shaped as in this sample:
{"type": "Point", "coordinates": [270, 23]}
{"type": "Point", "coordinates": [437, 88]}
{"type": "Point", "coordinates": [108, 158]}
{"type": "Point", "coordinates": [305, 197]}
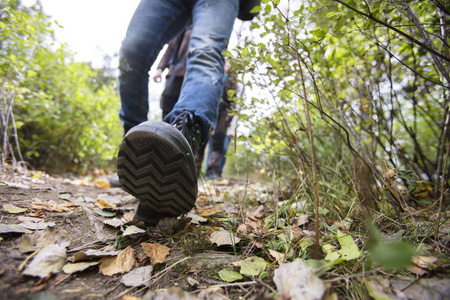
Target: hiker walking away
{"type": "Point", "coordinates": [174, 59]}
{"type": "Point", "coordinates": [155, 162]}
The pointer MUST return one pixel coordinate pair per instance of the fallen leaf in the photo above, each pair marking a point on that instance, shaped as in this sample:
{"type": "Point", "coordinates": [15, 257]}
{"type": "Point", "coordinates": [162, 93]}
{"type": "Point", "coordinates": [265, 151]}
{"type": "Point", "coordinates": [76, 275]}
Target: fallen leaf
{"type": "Point", "coordinates": [299, 221]}
{"type": "Point", "coordinates": [65, 196]}
{"type": "Point", "coordinates": [102, 184]}
{"type": "Point", "coordinates": [78, 267]}
{"type": "Point", "coordinates": [12, 209]}
{"type": "Point", "coordinates": [417, 270]}
{"type": "Point", "coordinates": [122, 263]}
{"type": "Point", "coordinates": [224, 238]}
{"type": "Point", "coordinates": [348, 250]}
{"type": "Point", "coordinates": [128, 216]}
{"type": "Point", "coordinates": [196, 219]}
{"type": "Point", "coordinates": [104, 213]}
{"type": "Point", "coordinates": [36, 175]}
{"type": "Point", "coordinates": [192, 282]}
{"type": "Point", "coordinates": [130, 230]}
{"type": "Point", "coordinates": [229, 275]}
{"type": "Point", "coordinates": [251, 266]}
{"type": "Point", "coordinates": [12, 228]}
{"type": "Point", "coordinates": [174, 293]}
{"type": "Point", "coordinates": [208, 212]}
{"type": "Point", "coordinates": [251, 225]}
{"type": "Point", "coordinates": [157, 252]}
{"type": "Point", "coordinates": [279, 257]}
{"type": "Point", "coordinates": [111, 200]}
{"type": "Point", "coordinates": [296, 234]}
{"type": "Point", "coordinates": [52, 206]}
{"type": "Point", "coordinates": [376, 290]}
{"type": "Point", "coordinates": [103, 204]}
{"type": "Point", "coordinates": [297, 281]}
{"type": "Point", "coordinates": [390, 175]}
{"type": "Point", "coordinates": [90, 254]}
{"type": "Point", "coordinates": [138, 277]}
{"type": "Point", "coordinates": [126, 297]}
{"type": "Point", "coordinates": [16, 185]}
{"type": "Point", "coordinates": [331, 254]}
{"type": "Point", "coordinates": [243, 229]}
{"type": "Point", "coordinates": [50, 259]}
{"type": "Point", "coordinates": [425, 262]}
{"type": "Point", "coordinates": [115, 222]}
{"type": "Point", "coordinates": [34, 223]}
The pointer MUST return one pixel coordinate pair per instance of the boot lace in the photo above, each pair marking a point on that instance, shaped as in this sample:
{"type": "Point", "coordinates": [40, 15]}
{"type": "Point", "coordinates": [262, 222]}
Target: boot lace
{"type": "Point", "coordinates": [187, 123]}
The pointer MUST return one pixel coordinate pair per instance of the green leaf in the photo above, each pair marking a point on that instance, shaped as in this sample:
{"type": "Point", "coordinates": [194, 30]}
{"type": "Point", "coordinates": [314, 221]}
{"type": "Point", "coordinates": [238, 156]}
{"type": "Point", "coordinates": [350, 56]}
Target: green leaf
{"type": "Point", "coordinates": [230, 276]}
{"type": "Point", "coordinates": [374, 292]}
{"type": "Point", "coordinates": [394, 256]}
{"type": "Point", "coordinates": [331, 254]}
{"type": "Point", "coordinates": [252, 266]}
{"type": "Point", "coordinates": [319, 33]}
{"type": "Point", "coordinates": [348, 250]}
{"type": "Point", "coordinates": [121, 242]}
{"type": "Point", "coordinates": [256, 9]}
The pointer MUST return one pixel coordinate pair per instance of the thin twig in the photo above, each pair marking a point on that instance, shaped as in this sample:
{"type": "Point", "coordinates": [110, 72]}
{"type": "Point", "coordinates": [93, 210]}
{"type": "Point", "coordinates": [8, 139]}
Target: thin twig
{"type": "Point", "coordinates": [310, 135]}
{"type": "Point", "coordinates": [160, 274]}
{"type": "Point", "coordinates": [351, 276]}
{"type": "Point", "coordinates": [414, 40]}
{"type": "Point", "coordinates": [442, 193]}
{"type": "Point", "coordinates": [233, 284]}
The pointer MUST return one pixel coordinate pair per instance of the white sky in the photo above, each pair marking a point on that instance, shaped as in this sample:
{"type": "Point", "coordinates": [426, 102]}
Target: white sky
{"type": "Point", "coordinates": [91, 28]}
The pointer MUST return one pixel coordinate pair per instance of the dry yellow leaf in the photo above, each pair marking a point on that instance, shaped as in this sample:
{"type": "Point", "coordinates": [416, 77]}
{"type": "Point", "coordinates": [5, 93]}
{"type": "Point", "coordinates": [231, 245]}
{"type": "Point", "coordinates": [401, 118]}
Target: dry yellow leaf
{"type": "Point", "coordinates": [103, 204]}
{"type": "Point", "coordinates": [129, 298]}
{"type": "Point", "coordinates": [425, 262]}
{"type": "Point", "coordinates": [122, 263]}
{"type": "Point", "coordinates": [208, 212]}
{"type": "Point", "coordinates": [296, 234]}
{"type": "Point", "coordinates": [52, 206]}
{"type": "Point", "coordinates": [279, 257]}
{"type": "Point", "coordinates": [102, 184]}
{"type": "Point", "coordinates": [12, 209]}
{"type": "Point", "coordinates": [157, 252]}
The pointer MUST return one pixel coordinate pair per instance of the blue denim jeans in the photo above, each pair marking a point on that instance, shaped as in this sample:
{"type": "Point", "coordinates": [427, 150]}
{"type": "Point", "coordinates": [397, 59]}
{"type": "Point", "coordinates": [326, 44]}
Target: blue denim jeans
{"type": "Point", "coordinates": [153, 25]}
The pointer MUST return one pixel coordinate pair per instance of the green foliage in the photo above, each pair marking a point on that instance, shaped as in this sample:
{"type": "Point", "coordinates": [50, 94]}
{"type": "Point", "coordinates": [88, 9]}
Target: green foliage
{"type": "Point", "coordinates": [373, 88]}
{"type": "Point", "coordinates": [396, 255]}
{"type": "Point", "coordinates": [65, 112]}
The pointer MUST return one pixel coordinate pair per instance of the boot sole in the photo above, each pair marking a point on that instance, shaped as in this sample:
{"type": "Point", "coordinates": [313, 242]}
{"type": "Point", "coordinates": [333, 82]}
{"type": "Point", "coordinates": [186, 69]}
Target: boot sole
{"type": "Point", "coordinates": [156, 165]}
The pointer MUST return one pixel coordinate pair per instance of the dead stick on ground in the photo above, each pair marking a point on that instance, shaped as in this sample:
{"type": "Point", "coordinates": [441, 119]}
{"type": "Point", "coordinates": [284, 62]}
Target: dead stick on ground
{"type": "Point", "coordinates": [157, 276]}
{"type": "Point", "coordinates": [22, 265]}
{"type": "Point", "coordinates": [233, 284]}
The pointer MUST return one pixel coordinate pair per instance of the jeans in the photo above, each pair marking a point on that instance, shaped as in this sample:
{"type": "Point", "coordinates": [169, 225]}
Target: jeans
{"type": "Point", "coordinates": [153, 25]}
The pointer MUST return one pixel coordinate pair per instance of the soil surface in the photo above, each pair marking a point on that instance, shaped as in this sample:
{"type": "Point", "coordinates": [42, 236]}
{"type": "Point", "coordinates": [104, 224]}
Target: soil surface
{"type": "Point", "coordinates": [74, 238]}
{"type": "Point", "coordinates": [73, 213]}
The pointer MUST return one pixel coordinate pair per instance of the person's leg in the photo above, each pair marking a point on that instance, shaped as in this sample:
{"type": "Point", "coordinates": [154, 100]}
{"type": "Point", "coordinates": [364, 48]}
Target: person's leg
{"type": "Point", "coordinates": [217, 140]}
{"type": "Point", "coordinates": [202, 88]}
{"type": "Point", "coordinates": [154, 24]}
{"type": "Point", "coordinates": [199, 155]}
{"type": "Point", "coordinates": [171, 94]}
{"type": "Point", "coordinates": [152, 162]}
{"type": "Point", "coordinates": [226, 142]}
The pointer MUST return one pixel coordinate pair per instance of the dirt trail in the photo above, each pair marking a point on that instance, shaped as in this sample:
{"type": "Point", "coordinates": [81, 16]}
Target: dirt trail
{"type": "Point", "coordinates": [86, 214]}
{"type": "Point", "coordinates": [73, 238]}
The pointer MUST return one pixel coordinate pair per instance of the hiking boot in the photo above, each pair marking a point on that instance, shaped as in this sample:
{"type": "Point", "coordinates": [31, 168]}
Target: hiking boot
{"type": "Point", "coordinates": [212, 176]}
{"type": "Point", "coordinates": [188, 124]}
{"type": "Point", "coordinates": [156, 165]}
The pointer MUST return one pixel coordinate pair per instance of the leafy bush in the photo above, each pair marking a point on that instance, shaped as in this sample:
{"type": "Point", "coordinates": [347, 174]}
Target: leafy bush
{"type": "Point", "coordinates": [64, 114]}
{"type": "Point", "coordinates": [374, 91]}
